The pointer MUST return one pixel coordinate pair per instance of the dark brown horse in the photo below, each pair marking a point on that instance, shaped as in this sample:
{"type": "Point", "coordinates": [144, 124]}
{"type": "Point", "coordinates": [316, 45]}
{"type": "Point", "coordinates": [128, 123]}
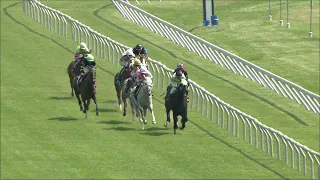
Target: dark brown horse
{"type": "Point", "coordinates": [73, 72]}
{"type": "Point", "coordinates": [87, 91]}
{"type": "Point", "coordinates": [119, 86]}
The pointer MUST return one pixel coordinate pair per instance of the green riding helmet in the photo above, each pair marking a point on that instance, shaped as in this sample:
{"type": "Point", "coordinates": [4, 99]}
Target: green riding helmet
{"type": "Point", "coordinates": [89, 57]}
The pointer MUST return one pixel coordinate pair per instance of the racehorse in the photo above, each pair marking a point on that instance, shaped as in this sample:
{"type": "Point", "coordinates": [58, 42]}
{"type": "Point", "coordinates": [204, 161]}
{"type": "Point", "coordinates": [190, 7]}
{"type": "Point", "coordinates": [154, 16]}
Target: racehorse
{"type": "Point", "coordinates": [73, 72]}
{"type": "Point", "coordinates": [143, 101]}
{"type": "Point", "coordinates": [87, 91]}
{"type": "Point", "coordinates": [119, 86]}
{"type": "Point", "coordinates": [177, 102]}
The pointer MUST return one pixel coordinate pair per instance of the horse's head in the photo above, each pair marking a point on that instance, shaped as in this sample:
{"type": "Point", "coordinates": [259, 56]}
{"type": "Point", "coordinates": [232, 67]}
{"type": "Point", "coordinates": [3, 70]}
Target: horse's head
{"type": "Point", "coordinates": [183, 87]}
{"type": "Point", "coordinates": [147, 85]}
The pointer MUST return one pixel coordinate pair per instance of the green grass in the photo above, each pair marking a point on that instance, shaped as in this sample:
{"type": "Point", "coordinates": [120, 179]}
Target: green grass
{"type": "Point", "coordinates": [261, 103]}
{"type": "Point", "coordinates": [44, 135]}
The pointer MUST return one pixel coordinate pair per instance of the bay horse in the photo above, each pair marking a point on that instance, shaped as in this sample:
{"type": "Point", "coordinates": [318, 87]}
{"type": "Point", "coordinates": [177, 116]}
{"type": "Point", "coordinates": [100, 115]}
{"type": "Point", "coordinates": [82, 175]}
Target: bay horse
{"type": "Point", "coordinates": [119, 87]}
{"type": "Point", "coordinates": [87, 91]}
{"type": "Point", "coordinates": [73, 72]}
{"type": "Point", "coordinates": [177, 102]}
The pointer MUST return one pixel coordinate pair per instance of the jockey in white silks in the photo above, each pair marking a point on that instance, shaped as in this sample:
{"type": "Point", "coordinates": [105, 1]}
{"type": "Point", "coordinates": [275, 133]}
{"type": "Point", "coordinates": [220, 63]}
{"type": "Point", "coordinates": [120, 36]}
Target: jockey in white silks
{"type": "Point", "coordinates": [127, 56]}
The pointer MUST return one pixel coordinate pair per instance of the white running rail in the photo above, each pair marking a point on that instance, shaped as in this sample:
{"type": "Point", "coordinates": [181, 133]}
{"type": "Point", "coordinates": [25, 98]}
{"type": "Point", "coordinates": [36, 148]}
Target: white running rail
{"type": "Point", "coordinates": [236, 64]}
{"type": "Point", "coordinates": [233, 120]}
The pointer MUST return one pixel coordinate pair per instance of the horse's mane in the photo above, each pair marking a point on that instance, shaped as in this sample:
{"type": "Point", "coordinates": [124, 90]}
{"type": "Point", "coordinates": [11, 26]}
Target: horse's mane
{"type": "Point", "coordinates": [148, 81]}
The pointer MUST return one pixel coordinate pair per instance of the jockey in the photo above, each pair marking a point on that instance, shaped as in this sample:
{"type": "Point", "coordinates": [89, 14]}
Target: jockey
{"type": "Point", "coordinates": [177, 79]}
{"type": "Point", "coordinates": [81, 50]}
{"type": "Point", "coordinates": [134, 74]}
{"type": "Point", "coordinates": [139, 49]}
{"type": "Point", "coordinates": [141, 76]}
{"type": "Point", "coordinates": [127, 56]}
{"type": "Point", "coordinates": [182, 69]}
{"type": "Point", "coordinates": [88, 61]}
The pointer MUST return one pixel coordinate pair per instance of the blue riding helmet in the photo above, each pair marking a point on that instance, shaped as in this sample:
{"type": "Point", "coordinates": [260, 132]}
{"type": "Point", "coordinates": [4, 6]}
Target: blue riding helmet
{"type": "Point", "coordinates": [179, 74]}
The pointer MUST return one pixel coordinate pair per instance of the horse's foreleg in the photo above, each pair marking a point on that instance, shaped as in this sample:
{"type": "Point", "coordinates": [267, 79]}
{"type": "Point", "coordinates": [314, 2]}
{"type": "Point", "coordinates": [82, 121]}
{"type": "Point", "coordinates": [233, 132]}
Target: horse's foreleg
{"type": "Point", "coordinates": [175, 120]}
{"type": "Point", "coordinates": [168, 117]}
{"type": "Point", "coordinates": [79, 101]}
{"type": "Point", "coordinates": [97, 108]}
{"type": "Point", "coordinates": [184, 119]}
{"type": "Point", "coordinates": [72, 94]}
{"type": "Point", "coordinates": [152, 114]}
{"type": "Point", "coordinates": [132, 110]}
{"type": "Point", "coordinates": [124, 100]}
{"type": "Point", "coordinates": [118, 96]}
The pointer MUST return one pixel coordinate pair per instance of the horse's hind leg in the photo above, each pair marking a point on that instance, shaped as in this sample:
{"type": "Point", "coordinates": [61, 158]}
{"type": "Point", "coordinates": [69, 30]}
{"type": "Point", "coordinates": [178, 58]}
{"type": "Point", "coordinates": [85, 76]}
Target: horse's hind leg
{"type": "Point", "coordinates": [95, 101]}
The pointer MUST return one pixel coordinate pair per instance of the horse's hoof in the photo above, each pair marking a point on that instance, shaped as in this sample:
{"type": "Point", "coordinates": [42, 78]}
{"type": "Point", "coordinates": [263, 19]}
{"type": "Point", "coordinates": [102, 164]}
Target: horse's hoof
{"type": "Point", "coordinates": [81, 109]}
{"type": "Point", "coordinates": [98, 113]}
{"type": "Point", "coordinates": [145, 122]}
{"type": "Point", "coordinates": [154, 122]}
{"type": "Point", "coordinates": [84, 111]}
{"type": "Point", "coordinates": [124, 114]}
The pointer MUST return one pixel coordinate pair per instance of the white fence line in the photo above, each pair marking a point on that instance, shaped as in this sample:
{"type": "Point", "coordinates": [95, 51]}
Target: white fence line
{"type": "Point", "coordinates": [230, 118]}
{"type": "Point", "coordinates": [311, 101]}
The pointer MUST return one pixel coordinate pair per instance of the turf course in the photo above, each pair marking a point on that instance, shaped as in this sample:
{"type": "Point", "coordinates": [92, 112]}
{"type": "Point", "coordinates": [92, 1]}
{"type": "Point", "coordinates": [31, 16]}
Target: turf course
{"type": "Point", "coordinates": [269, 108]}
{"type": "Point", "coordinates": [44, 135]}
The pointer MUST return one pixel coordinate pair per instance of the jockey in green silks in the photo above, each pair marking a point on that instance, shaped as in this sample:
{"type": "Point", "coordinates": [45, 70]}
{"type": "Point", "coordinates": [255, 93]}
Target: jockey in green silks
{"type": "Point", "coordinates": [177, 79]}
{"type": "Point", "coordinates": [81, 51]}
{"type": "Point", "coordinates": [88, 61]}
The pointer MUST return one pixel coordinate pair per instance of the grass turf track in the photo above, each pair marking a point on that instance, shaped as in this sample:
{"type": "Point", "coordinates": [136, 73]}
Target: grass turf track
{"type": "Point", "coordinates": [269, 108]}
{"type": "Point", "coordinates": [43, 134]}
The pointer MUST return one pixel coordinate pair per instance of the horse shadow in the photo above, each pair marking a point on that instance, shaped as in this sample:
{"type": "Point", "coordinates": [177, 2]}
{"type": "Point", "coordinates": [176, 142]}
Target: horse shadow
{"type": "Point", "coordinates": [106, 110]}
{"type": "Point", "coordinates": [154, 131]}
{"type": "Point", "coordinates": [60, 98]}
{"type": "Point", "coordinates": [120, 129]}
{"type": "Point", "coordinates": [113, 122]}
{"type": "Point", "coordinates": [63, 118]}
{"type": "Point", "coordinates": [111, 102]}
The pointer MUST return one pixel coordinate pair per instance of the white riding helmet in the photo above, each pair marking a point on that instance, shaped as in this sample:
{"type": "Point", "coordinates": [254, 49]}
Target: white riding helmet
{"type": "Point", "coordinates": [83, 45]}
{"type": "Point", "coordinates": [143, 70]}
{"type": "Point", "coordinates": [129, 52]}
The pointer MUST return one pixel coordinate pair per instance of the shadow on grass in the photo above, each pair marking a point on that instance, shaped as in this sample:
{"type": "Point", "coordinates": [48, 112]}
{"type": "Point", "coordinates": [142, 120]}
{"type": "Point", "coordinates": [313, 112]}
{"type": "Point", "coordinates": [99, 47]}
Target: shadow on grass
{"type": "Point", "coordinates": [63, 118]}
{"type": "Point", "coordinates": [121, 129]}
{"type": "Point", "coordinates": [106, 110]}
{"type": "Point", "coordinates": [61, 98]}
{"type": "Point", "coordinates": [111, 102]}
{"type": "Point", "coordinates": [293, 116]}
{"type": "Point", "coordinates": [154, 133]}
{"type": "Point", "coordinates": [113, 122]}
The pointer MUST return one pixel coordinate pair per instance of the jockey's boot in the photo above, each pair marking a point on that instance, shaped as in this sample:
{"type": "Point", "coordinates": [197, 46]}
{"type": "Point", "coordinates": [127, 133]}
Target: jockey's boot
{"type": "Point", "coordinates": [75, 63]}
{"type": "Point", "coordinates": [119, 75]}
{"type": "Point", "coordinates": [79, 80]}
{"type": "Point", "coordinates": [136, 91]}
{"type": "Point", "coordinates": [168, 91]}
